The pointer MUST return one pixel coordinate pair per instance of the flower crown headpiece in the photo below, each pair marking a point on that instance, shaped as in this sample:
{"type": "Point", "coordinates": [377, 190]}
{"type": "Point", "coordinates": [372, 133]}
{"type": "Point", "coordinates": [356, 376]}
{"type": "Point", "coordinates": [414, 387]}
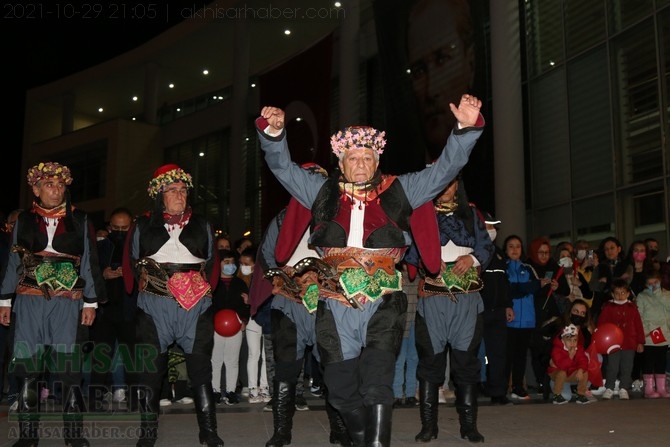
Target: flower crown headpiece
{"type": "Point", "coordinates": [166, 175]}
{"type": "Point", "coordinates": [358, 137]}
{"type": "Point", "coordinates": [46, 170]}
{"type": "Point", "coordinates": [569, 331]}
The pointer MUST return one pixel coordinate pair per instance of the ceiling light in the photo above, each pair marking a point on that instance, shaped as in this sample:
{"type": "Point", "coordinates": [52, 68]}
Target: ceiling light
{"type": "Point", "coordinates": [178, 109]}
{"type": "Point", "coordinates": [205, 72]}
{"type": "Point", "coordinates": [134, 119]}
{"type": "Point", "coordinates": [202, 154]}
{"type": "Point", "coordinates": [298, 119]}
{"type": "Point", "coordinates": [338, 4]}
{"type": "Point", "coordinates": [134, 98]}
{"type": "Point", "coordinates": [171, 85]}
{"type": "Point", "coordinates": [100, 109]}
{"type": "Point", "coordinates": [287, 32]}
{"type": "Point", "coordinates": [253, 84]}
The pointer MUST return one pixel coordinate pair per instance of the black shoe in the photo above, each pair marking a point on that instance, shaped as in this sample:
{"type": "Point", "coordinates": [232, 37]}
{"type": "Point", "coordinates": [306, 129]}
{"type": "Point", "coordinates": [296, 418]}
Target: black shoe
{"type": "Point", "coordinates": [217, 397]}
{"type": "Point", "coordinates": [411, 402]}
{"type": "Point", "coordinates": [501, 400]}
{"type": "Point", "coordinates": [481, 386]}
{"type": "Point", "coordinates": [397, 403]}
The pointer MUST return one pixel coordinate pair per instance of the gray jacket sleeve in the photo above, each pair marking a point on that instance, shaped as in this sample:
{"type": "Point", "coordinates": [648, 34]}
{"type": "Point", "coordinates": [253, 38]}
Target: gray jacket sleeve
{"type": "Point", "coordinates": [425, 185]}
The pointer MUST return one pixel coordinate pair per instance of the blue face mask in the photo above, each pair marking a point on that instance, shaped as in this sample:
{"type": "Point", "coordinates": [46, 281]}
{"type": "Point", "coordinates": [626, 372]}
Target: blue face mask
{"type": "Point", "coordinates": [229, 269]}
{"type": "Point", "coordinates": [654, 287]}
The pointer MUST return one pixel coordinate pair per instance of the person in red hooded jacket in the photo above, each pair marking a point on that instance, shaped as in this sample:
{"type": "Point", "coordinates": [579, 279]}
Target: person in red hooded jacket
{"type": "Point", "coordinates": [568, 364]}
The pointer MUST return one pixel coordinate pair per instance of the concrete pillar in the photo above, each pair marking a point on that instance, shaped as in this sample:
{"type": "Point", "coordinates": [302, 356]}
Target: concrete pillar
{"type": "Point", "coordinates": [509, 182]}
{"type": "Point", "coordinates": [349, 65]}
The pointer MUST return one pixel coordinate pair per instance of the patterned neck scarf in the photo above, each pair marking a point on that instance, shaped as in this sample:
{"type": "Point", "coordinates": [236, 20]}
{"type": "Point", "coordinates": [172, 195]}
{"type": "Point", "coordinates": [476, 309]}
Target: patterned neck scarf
{"type": "Point", "coordinates": [51, 213]}
{"type": "Point", "coordinates": [446, 207]}
{"type": "Point", "coordinates": [178, 219]}
{"type": "Point", "coordinates": [366, 192]}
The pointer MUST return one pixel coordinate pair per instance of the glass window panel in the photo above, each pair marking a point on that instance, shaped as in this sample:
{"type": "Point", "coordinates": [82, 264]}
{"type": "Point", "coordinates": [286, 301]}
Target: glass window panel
{"type": "Point", "coordinates": [594, 218]}
{"type": "Point", "coordinates": [642, 211]}
{"type": "Point", "coordinates": [553, 223]}
{"type": "Point", "coordinates": [544, 29]}
{"type": "Point", "coordinates": [549, 147]}
{"type": "Point", "coordinates": [664, 21]}
{"type": "Point", "coordinates": [623, 13]}
{"type": "Point", "coordinates": [584, 25]}
{"type": "Point", "coordinates": [634, 72]}
{"type": "Point", "coordinates": [590, 124]}
{"type": "Point", "coordinates": [88, 165]}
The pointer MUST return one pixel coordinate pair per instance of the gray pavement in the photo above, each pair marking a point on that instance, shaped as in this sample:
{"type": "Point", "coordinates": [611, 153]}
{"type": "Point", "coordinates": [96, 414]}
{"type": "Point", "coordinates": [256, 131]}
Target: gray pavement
{"type": "Point", "coordinates": [638, 422]}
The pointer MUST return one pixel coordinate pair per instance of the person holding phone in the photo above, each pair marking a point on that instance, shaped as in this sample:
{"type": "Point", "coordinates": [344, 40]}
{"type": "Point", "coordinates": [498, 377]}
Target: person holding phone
{"type": "Point", "coordinates": [550, 302]}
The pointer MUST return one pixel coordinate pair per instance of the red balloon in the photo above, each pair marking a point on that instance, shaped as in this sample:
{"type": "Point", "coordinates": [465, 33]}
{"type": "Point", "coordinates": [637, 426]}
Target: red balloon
{"type": "Point", "coordinates": [227, 323]}
{"type": "Point", "coordinates": [608, 338]}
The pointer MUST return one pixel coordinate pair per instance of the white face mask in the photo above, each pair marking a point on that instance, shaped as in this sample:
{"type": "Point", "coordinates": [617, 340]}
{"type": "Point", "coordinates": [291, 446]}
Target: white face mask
{"type": "Point", "coordinates": [565, 262]}
{"type": "Point", "coordinates": [581, 254]}
{"type": "Point", "coordinates": [246, 270]}
{"type": "Point", "coordinates": [492, 234]}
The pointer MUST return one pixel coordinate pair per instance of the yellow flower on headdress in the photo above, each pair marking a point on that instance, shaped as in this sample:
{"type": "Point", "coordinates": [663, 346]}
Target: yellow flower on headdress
{"type": "Point", "coordinates": [49, 169]}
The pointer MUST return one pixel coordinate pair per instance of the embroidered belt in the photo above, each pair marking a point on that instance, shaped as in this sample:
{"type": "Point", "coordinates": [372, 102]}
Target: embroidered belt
{"type": "Point", "coordinates": [49, 274]}
{"type": "Point", "coordinates": [301, 283]}
{"type": "Point", "coordinates": [183, 282]}
{"type": "Point", "coordinates": [363, 278]}
{"type": "Point", "coordinates": [450, 284]}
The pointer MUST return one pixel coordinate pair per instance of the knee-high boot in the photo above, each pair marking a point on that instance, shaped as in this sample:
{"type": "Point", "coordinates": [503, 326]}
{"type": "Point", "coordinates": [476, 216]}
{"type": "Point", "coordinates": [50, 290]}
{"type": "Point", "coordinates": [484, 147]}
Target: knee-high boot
{"type": "Point", "coordinates": [27, 408]}
{"type": "Point", "coordinates": [378, 431]}
{"type": "Point", "coordinates": [283, 408]}
{"type": "Point", "coordinates": [466, 406]}
{"type": "Point", "coordinates": [205, 411]}
{"type": "Point", "coordinates": [148, 402]}
{"type": "Point", "coordinates": [73, 418]}
{"type": "Point", "coordinates": [355, 421]}
{"type": "Point", "coordinates": [338, 431]}
{"type": "Point", "coordinates": [428, 402]}
{"type": "Point", "coordinates": [660, 385]}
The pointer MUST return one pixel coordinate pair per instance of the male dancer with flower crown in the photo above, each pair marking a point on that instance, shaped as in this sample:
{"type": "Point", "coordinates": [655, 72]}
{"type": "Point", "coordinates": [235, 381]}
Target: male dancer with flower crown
{"type": "Point", "coordinates": [53, 268]}
{"type": "Point", "coordinates": [360, 225]}
{"type": "Point", "coordinates": [174, 258]}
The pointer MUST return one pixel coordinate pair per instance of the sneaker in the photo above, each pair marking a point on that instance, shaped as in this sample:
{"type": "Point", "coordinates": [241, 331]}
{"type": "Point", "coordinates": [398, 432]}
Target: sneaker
{"type": "Point", "coordinates": [636, 387]}
{"type": "Point", "coordinates": [268, 406]}
{"type": "Point", "coordinates": [623, 394]}
{"type": "Point", "coordinates": [558, 399]}
{"type": "Point", "coordinates": [245, 391]}
{"type": "Point", "coordinates": [165, 402]}
{"type": "Point", "coordinates": [616, 386]}
{"type": "Point", "coordinates": [301, 403]}
{"type": "Point", "coordinates": [184, 400]}
{"type": "Point", "coordinates": [520, 394]}
{"type": "Point", "coordinates": [254, 396]}
{"type": "Point", "coordinates": [582, 400]}
{"type": "Point", "coordinates": [598, 391]}
{"type": "Point", "coordinates": [316, 391]}
{"type": "Point", "coordinates": [231, 398]}
{"type": "Point", "coordinates": [608, 394]}
{"type": "Point", "coordinates": [501, 400]}
{"type": "Point", "coordinates": [119, 395]}
{"type": "Point", "coordinates": [264, 394]}
{"type": "Point", "coordinates": [446, 395]}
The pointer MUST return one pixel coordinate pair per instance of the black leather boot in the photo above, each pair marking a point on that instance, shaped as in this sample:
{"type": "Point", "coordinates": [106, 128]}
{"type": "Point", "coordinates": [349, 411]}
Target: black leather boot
{"type": "Point", "coordinates": [466, 406]}
{"type": "Point", "coordinates": [378, 432]}
{"type": "Point", "coordinates": [338, 431]}
{"type": "Point", "coordinates": [355, 421]}
{"type": "Point", "coordinates": [205, 411]}
{"type": "Point", "coordinates": [27, 407]}
{"type": "Point", "coordinates": [283, 408]}
{"type": "Point", "coordinates": [428, 402]}
{"type": "Point", "coordinates": [73, 417]}
{"type": "Point", "coordinates": [148, 404]}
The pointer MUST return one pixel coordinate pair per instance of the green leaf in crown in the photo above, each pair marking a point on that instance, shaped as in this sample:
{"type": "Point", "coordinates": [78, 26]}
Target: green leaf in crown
{"type": "Point", "coordinates": [463, 282]}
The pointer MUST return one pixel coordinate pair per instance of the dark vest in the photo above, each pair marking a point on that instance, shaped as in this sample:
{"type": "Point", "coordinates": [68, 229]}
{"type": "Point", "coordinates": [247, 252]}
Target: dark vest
{"type": "Point", "coordinates": [383, 225]}
{"type": "Point", "coordinates": [32, 233]}
{"type": "Point", "coordinates": [193, 236]}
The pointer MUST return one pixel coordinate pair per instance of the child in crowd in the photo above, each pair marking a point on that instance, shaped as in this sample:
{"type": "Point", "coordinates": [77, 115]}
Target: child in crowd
{"type": "Point", "coordinates": [654, 306]}
{"type": "Point", "coordinates": [568, 364]}
{"type": "Point", "coordinates": [623, 313]}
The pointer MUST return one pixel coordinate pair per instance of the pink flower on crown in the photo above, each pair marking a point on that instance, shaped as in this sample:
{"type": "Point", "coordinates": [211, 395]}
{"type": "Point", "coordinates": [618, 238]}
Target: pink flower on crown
{"type": "Point", "coordinates": [358, 137]}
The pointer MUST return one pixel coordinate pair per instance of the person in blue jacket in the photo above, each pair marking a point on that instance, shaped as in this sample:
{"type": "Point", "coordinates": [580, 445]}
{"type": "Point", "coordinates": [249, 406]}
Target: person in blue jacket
{"type": "Point", "coordinates": [523, 284]}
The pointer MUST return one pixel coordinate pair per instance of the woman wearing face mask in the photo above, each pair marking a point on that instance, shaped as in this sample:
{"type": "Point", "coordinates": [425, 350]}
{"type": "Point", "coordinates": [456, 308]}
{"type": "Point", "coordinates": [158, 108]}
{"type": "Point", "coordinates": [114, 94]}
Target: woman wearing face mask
{"type": "Point", "coordinates": [231, 293]}
{"type": "Point", "coordinates": [639, 264]}
{"type": "Point", "coordinates": [579, 286]}
{"type": "Point", "coordinates": [609, 265]}
{"type": "Point", "coordinates": [654, 306]}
